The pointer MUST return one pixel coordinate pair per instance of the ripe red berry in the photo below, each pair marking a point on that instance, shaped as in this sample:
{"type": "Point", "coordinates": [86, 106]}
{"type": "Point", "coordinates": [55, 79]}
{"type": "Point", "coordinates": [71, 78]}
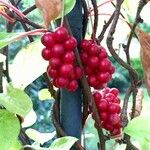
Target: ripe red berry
{"type": "Point", "coordinates": [103, 53]}
{"type": "Point", "coordinates": [108, 126]}
{"type": "Point", "coordinates": [69, 57]}
{"type": "Point", "coordinates": [103, 105]}
{"type": "Point", "coordinates": [61, 34]}
{"type": "Point", "coordinates": [55, 62]}
{"type": "Point", "coordinates": [62, 82]}
{"type": "Point", "coordinates": [88, 70]}
{"type": "Point", "coordinates": [53, 73]}
{"type": "Point", "coordinates": [78, 72]}
{"type": "Point", "coordinates": [84, 44]}
{"type": "Point", "coordinates": [72, 86]}
{"type": "Point", "coordinates": [65, 70]}
{"type": "Point", "coordinates": [92, 80]}
{"type": "Point", "coordinates": [104, 65]}
{"type": "Point", "coordinates": [114, 119]}
{"type": "Point", "coordinates": [114, 91]}
{"type": "Point", "coordinates": [70, 44]}
{"type": "Point", "coordinates": [112, 108]}
{"type": "Point", "coordinates": [84, 57]}
{"type": "Point", "coordinates": [93, 62]}
{"type": "Point", "coordinates": [57, 50]}
{"type": "Point", "coordinates": [93, 50]}
{"type": "Point", "coordinates": [103, 116]}
{"type": "Point", "coordinates": [48, 39]}
{"type": "Point", "coordinates": [115, 132]}
{"type": "Point", "coordinates": [110, 97]}
{"type": "Point", "coordinates": [46, 53]}
{"type": "Point", "coordinates": [103, 77]}
{"type": "Point", "coordinates": [97, 97]}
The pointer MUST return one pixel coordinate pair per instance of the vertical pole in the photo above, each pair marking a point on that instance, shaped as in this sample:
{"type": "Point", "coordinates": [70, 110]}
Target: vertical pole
{"type": "Point", "coordinates": [71, 102]}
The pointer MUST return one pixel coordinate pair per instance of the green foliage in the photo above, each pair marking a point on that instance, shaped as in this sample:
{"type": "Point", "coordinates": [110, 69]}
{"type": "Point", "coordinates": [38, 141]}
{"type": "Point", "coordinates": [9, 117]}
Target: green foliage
{"type": "Point", "coordinates": [136, 63]}
{"type": "Point", "coordinates": [64, 143]}
{"type": "Point", "coordinates": [139, 129]}
{"type": "Point", "coordinates": [28, 65]}
{"type": "Point", "coordinates": [44, 94]}
{"type": "Point", "coordinates": [15, 145]}
{"type": "Point", "coordinates": [16, 101]}
{"type": "Point", "coordinates": [9, 129]}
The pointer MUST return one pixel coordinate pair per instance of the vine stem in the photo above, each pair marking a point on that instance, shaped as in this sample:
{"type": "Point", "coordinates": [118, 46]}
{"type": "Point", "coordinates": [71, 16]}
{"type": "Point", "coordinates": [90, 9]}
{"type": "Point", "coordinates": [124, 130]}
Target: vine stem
{"type": "Point", "coordinates": [62, 13]}
{"type": "Point", "coordinates": [8, 18]}
{"type": "Point", "coordinates": [92, 25]}
{"type": "Point", "coordinates": [18, 12]}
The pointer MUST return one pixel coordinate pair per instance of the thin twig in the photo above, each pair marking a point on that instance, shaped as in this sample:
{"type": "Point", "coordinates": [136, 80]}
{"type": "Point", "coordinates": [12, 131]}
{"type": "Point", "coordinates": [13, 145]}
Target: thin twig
{"type": "Point", "coordinates": [28, 10]}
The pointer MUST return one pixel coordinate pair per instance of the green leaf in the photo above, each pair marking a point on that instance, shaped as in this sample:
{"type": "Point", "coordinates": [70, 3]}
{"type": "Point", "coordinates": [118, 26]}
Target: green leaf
{"type": "Point", "coordinates": [68, 6]}
{"type": "Point", "coordinates": [16, 101]}
{"type": "Point", "coordinates": [39, 137]}
{"type": "Point", "coordinates": [28, 65]}
{"type": "Point", "coordinates": [44, 94]}
{"type": "Point", "coordinates": [9, 129]}
{"type": "Point", "coordinates": [64, 143]}
{"type": "Point", "coordinates": [139, 129]}
{"type": "Point", "coordinates": [15, 145]}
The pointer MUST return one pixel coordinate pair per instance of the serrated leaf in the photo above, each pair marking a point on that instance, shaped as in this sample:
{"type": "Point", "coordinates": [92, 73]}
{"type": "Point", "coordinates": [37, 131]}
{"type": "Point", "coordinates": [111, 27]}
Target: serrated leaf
{"type": "Point", "coordinates": [28, 65]}
{"type": "Point", "coordinates": [38, 136]}
{"type": "Point", "coordinates": [64, 143]}
{"type": "Point", "coordinates": [44, 94]}
{"type": "Point", "coordinates": [68, 6]}
{"type": "Point", "coordinates": [9, 129]}
{"type": "Point", "coordinates": [29, 119]}
{"type": "Point", "coordinates": [16, 145]}
{"type": "Point", "coordinates": [139, 129]}
{"type": "Point", "coordinates": [16, 101]}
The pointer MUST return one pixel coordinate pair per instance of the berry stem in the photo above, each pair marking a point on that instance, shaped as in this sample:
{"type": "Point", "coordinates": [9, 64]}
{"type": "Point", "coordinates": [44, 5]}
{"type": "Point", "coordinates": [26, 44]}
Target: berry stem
{"type": "Point", "coordinates": [18, 12]}
{"type": "Point", "coordinates": [90, 15]}
{"type": "Point", "coordinates": [62, 13]}
{"type": "Point", "coordinates": [8, 18]}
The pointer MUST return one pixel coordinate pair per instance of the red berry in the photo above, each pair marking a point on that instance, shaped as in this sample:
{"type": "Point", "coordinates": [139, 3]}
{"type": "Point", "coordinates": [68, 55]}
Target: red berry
{"type": "Point", "coordinates": [104, 65]}
{"type": "Point", "coordinates": [114, 91]}
{"type": "Point", "coordinates": [72, 86]}
{"type": "Point", "coordinates": [78, 72]}
{"type": "Point", "coordinates": [103, 105]}
{"type": "Point", "coordinates": [55, 62]}
{"type": "Point", "coordinates": [103, 53]}
{"type": "Point", "coordinates": [97, 97]}
{"type": "Point", "coordinates": [92, 80]}
{"type": "Point", "coordinates": [108, 126]}
{"type": "Point", "coordinates": [111, 69]}
{"type": "Point", "coordinates": [84, 57]}
{"type": "Point", "coordinates": [57, 50]}
{"type": "Point", "coordinates": [46, 53]}
{"type": "Point", "coordinates": [65, 70]}
{"type": "Point", "coordinates": [84, 44]}
{"type": "Point", "coordinates": [103, 77]}
{"type": "Point", "coordinates": [62, 82]}
{"type": "Point", "coordinates": [115, 132]}
{"type": "Point", "coordinates": [110, 97]}
{"type": "Point", "coordinates": [88, 70]}
{"type": "Point", "coordinates": [114, 119]}
{"type": "Point", "coordinates": [117, 100]}
{"type": "Point", "coordinates": [93, 50]}
{"type": "Point", "coordinates": [48, 39]}
{"type": "Point", "coordinates": [112, 108]}
{"type": "Point", "coordinates": [70, 44]}
{"type": "Point", "coordinates": [61, 34]}
{"type": "Point", "coordinates": [93, 62]}
{"type": "Point", "coordinates": [53, 73]}
{"type": "Point", "coordinates": [69, 57]}
{"type": "Point", "coordinates": [103, 116]}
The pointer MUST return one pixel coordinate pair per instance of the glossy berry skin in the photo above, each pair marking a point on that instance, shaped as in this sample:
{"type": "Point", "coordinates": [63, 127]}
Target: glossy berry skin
{"type": "Point", "coordinates": [93, 50]}
{"type": "Point", "coordinates": [114, 119]}
{"type": "Point", "coordinates": [72, 86]}
{"type": "Point", "coordinates": [53, 73]}
{"type": "Point", "coordinates": [65, 70]}
{"type": "Point", "coordinates": [69, 57]}
{"type": "Point", "coordinates": [48, 40]}
{"type": "Point", "coordinates": [62, 82]}
{"type": "Point", "coordinates": [55, 62]}
{"type": "Point", "coordinates": [112, 108]}
{"type": "Point", "coordinates": [114, 91]}
{"type": "Point", "coordinates": [102, 54]}
{"type": "Point", "coordinates": [78, 72]}
{"type": "Point", "coordinates": [46, 54]}
{"type": "Point", "coordinates": [103, 116]}
{"type": "Point", "coordinates": [110, 97]}
{"type": "Point", "coordinates": [97, 97]}
{"type": "Point", "coordinates": [93, 62]}
{"type": "Point", "coordinates": [103, 77]}
{"type": "Point", "coordinates": [84, 57]}
{"type": "Point", "coordinates": [84, 44]}
{"type": "Point", "coordinates": [103, 105]}
{"type": "Point", "coordinates": [104, 65]}
{"type": "Point", "coordinates": [61, 34]}
{"type": "Point", "coordinates": [70, 44]}
{"type": "Point", "coordinates": [57, 50]}
{"type": "Point", "coordinates": [92, 80]}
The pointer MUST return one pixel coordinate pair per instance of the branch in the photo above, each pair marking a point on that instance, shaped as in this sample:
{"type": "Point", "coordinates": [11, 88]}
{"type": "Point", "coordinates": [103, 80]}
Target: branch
{"type": "Point", "coordinates": [30, 9]}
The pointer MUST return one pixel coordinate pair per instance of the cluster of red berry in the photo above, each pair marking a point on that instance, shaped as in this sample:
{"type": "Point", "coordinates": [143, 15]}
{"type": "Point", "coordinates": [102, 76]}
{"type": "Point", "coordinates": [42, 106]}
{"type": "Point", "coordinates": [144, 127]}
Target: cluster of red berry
{"type": "Point", "coordinates": [96, 64]}
{"type": "Point", "coordinates": [59, 47]}
{"type": "Point", "coordinates": [107, 103]}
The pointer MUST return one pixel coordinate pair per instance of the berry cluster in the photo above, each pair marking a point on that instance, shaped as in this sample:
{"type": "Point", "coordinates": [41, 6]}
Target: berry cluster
{"type": "Point", "coordinates": [107, 103]}
{"type": "Point", "coordinates": [58, 50]}
{"type": "Point", "coordinates": [96, 64]}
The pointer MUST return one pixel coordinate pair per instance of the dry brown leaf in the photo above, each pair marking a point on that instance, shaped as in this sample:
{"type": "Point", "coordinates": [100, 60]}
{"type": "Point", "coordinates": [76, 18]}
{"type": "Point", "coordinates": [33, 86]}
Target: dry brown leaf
{"type": "Point", "coordinates": [50, 9]}
{"type": "Point", "coordinates": [144, 39]}
{"type": "Point", "coordinates": [139, 101]}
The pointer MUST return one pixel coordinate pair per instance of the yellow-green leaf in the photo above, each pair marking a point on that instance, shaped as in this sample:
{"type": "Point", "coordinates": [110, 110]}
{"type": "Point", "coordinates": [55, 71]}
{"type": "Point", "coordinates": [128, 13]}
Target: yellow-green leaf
{"type": "Point", "coordinates": [44, 94]}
